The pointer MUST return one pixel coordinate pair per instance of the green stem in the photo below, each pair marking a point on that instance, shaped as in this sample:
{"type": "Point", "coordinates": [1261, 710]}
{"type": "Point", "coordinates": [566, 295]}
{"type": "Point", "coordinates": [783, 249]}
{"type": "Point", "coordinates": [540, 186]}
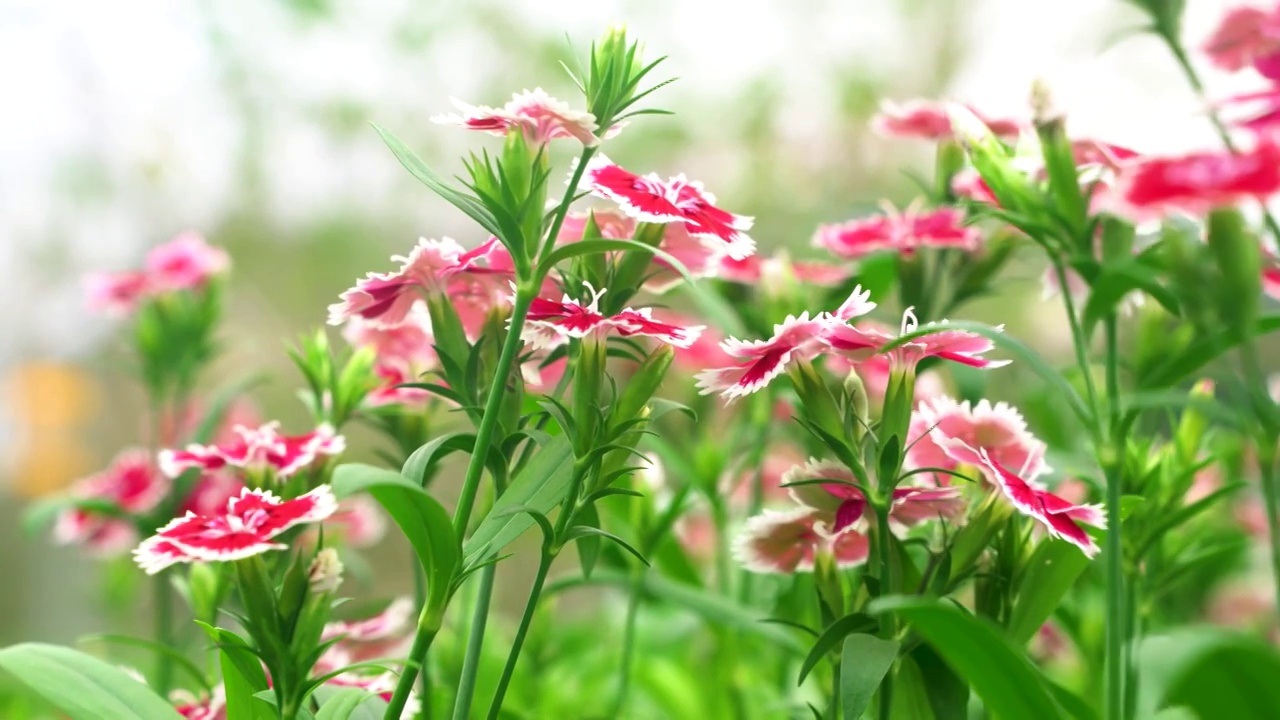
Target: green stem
{"type": "Point", "coordinates": [163, 632]}
{"type": "Point", "coordinates": [549, 243]}
{"type": "Point", "coordinates": [493, 405]}
{"type": "Point", "coordinates": [888, 626]}
{"type": "Point", "coordinates": [1271, 496]}
{"type": "Point", "coordinates": [475, 643]}
{"type": "Point", "coordinates": [530, 606]}
{"type": "Point", "coordinates": [1118, 638]}
{"type": "Point", "coordinates": [1081, 344]}
{"type": "Point", "coordinates": [427, 629]}
{"type": "Point", "coordinates": [628, 642]}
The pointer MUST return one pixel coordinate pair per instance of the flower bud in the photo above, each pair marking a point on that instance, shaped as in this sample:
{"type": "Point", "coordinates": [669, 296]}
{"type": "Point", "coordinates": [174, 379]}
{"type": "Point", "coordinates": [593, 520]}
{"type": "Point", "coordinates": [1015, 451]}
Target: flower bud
{"type": "Point", "coordinates": [1192, 425]}
{"type": "Point", "coordinates": [325, 574]}
{"type": "Point", "coordinates": [1240, 262]}
{"type": "Point", "coordinates": [858, 411]}
{"type": "Point", "coordinates": [642, 385]}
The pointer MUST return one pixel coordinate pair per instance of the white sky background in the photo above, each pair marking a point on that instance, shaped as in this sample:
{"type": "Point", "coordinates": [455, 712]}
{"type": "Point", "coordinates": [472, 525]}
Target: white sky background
{"type": "Point", "coordinates": [136, 85]}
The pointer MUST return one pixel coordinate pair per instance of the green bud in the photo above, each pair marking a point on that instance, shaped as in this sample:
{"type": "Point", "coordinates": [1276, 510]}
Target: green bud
{"type": "Point", "coordinates": [899, 397]}
{"type": "Point", "coordinates": [204, 588]}
{"type": "Point", "coordinates": [1239, 259]}
{"type": "Point", "coordinates": [1060, 166]}
{"type": "Point", "coordinates": [858, 410]}
{"type": "Point", "coordinates": [642, 385]}
{"type": "Point", "coordinates": [594, 268]}
{"type": "Point", "coordinates": [588, 382]}
{"type": "Point", "coordinates": [819, 404]}
{"type": "Point", "coordinates": [633, 266]}
{"type": "Point", "coordinates": [992, 161]}
{"type": "Point", "coordinates": [949, 160]}
{"type": "Point", "coordinates": [1193, 424]}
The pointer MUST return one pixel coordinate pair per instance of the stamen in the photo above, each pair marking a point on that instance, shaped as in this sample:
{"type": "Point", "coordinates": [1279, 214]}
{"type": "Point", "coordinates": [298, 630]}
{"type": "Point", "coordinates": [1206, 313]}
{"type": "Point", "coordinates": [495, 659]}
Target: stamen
{"type": "Point", "coordinates": [909, 321]}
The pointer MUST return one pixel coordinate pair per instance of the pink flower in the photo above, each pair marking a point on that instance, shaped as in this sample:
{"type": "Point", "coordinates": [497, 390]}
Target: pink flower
{"type": "Point", "coordinates": [386, 299]}
{"type": "Point", "coordinates": [202, 707]}
{"type": "Point", "coordinates": [116, 294]}
{"type": "Point", "coordinates": [796, 339]}
{"type": "Point", "coordinates": [392, 624]}
{"type": "Point", "coordinates": [132, 484]}
{"type": "Point", "coordinates": [257, 450]}
{"type": "Point", "coordinates": [699, 257]}
{"type": "Point", "coordinates": [1247, 36]}
{"type": "Point", "coordinates": [551, 323]}
{"type": "Point", "coordinates": [946, 433]}
{"type": "Point", "coordinates": [1270, 274]}
{"type": "Point", "coordinates": [968, 184]}
{"type": "Point", "coordinates": [1199, 182]}
{"type": "Point", "coordinates": [789, 541]}
{"type": "Point", "coordinates": [1061, 518]}
{"type": "Point", "coordinates": [185, 263]}
{"type": "Point", "coordinates": [245, 529]}
{"type": "Point", "coordinates": [930, 121]}
{"type": "Point", "coordinates": [539, 116]}
{"type": "Point", "coordinates": [677, 200]}
{"type": "Point", "coordinates": [779, 461]}
{"type": "Point", "coordinates": [409, 342]}
{"type": "Point", "coordinates": [903, 233]}
{"type": "Point", "coordinates": [360, 521]}
{"type": "Point", "coordinates": [844, 505]}
{"type": "Point", "coordinates": [772, 272]}
{"type": "Point", "coordinates": [211, 493]}
{"type": "Point", "coordinates": [542, 377]}
{"type": "Point", "coordinates": [864, 341]}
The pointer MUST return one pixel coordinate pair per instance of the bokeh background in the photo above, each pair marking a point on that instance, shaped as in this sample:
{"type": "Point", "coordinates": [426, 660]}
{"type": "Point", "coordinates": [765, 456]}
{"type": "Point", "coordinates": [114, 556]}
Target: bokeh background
{"type": "Point", "coordinates": [123, 123]}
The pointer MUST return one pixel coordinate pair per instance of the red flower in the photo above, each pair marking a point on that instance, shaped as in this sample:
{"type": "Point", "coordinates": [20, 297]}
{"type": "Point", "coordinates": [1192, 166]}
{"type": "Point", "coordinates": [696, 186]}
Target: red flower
{"type": "Point", "coordinates": [539, 116]}
{"type": "Point", "coordinates": [1061, 518]}
{"type": "Point", "coordinates": [1247, 36]}
{"type": "Point", "coordinates": [550, 323]}
{"type": "Point", "coordinates": [1198, 182]}
{"type": "Point", "coordinates": [257, 450]}
{"type": "Point", "coordinates": [677, 200]}
{"type": "Point", "coordinates": [864, 341]}
{"type": "Point", "coordinates": [796, 339]}
{"type": "Point", "coordinates": [930, 121]}
{"type": "Point", "coordinates": [386, 299]}
{"type": "Point", "coordinates": [902, 233]}
{"type": "Point", "coordinates": [245, 529]}
{"type": "Point", "coordinates": [789, 541]}
{"type": "Point", "coordinates": [131, 483]}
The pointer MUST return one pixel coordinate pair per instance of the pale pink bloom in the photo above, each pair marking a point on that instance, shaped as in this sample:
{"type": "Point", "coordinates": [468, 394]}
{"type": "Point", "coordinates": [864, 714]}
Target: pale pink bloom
{"type": "Point", "coordinates": [257, 450]}
{"type": "Point", "coordinates": [968, 184]}
{"type": "Point", "coordinates": [1061, 518]}
{"type": "Point", "coordinates": [392, 624]}
{"type": "Point", "coordinates": [116, 294]}
{"type": "Point", "coordinates": [699, 256]}
{"type": "Point", "coordinates": [550, 323]}
{"type": "Point", "coordinates": [246, 528]}
{"type": "Point", "coordinates": [410, 341]}
{"type": "Point", "coordinates": [795, 339]}
{"type": "Point", "coordinates": [778, 461]}
{"type": "Point", "coordinates": [845, 506]}
{"type": "Point", "coordinates": [1198, 182]}
{"type": "Point", "coordinates": [1245, 605]}
{"type": "Point", "coordinates": [200, 707]}
{"type": "Point", "coordinates": [211, 493]}
{"type": "Point", "coordinates": [132, 484]}
{"type": "Point", "coordinates": [186, 262]}
{"type": "Point", "coordinates": [900, 232]}
{"type": "Point", "coordinates": [780, 270]}
{"type": "Point", "coordinates": [185, 421]}
{"type": "Point", "coordinates": [1270, 276]}
{"type": "Point", "coordinates": [386, 299]}
{"type": "Point", "coordinates": [676, 200]}
{"type": "Point", "coordinates": [388, 393]}
{"type": "Point", "coordinates": [539, 116]}
{"type": "Point", "coordinates": [930, 121]}
{"type": "Point", "coordinates": [789, 541]}
{"type": "Point", "coordinates": [945, 433]}
{"type": "Point", "coordinates": [1049, 642]}
{"type": "Point", "coordinates": [701, 353]}
{"type": "Point", "coordinates": [1073, 490]}
{"type": "Point", "coordinates": [360, 521]}
{"type": "Point", "coordinates": [1247, 36]}
{"type": "Point", "coordinates": [697, 534]}
{"type": "Point", "coordinates": [861, 342]}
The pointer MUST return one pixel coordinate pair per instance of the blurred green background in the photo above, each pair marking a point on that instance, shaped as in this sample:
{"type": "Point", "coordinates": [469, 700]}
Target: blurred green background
{"type": "Point", "coordinates": [126, 123]}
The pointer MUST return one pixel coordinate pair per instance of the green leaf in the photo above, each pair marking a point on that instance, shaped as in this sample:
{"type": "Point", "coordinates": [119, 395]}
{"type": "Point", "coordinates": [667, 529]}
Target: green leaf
{"type": "Point", "coordinates": [466, 203]}
{"type": "Point", "coordinates": [1214, 673]}
{"type": "Point", "coordinates": [831, 636]}
{"type": "Point", "coordinates": [160, 650]}
{"type": "Point", "coordinates": [431, 453]}
{"type": "Point", "coordinates": [82, 686]}
{"type": "Point", "coordinates": [911, 695]}
{"type": "Point", "coordinates": [241, 691]}
{"type": "Point", "coordinates": [1050, 573]}
{"type": "Point", "coordinates": [1076, 706]}
{"type": "Point", "coordinates": [421, 518]}
{"type": "Point", "coordinates": [352, 704]}
{"type": "Point", "coordinates": [1118, 280]}
{"type": "Point", "coordinates": [947, 695]}
{"type": "Point", "coordinates": [864, 661]}
{"type": "Point", "coordinates": [1203, 350]}
{"type": "Point", "coordinates": [1009, 685]}
{"type": "Point", "coordinates": [540, 486]}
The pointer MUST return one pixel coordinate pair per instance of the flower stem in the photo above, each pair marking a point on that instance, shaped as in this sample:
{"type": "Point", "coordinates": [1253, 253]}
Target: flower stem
{"type": "Point", "coordinates": [163, 632]}
{"type": "Point", "coordinates": [888, 626]}
{"type": "Point", "coordinates": [628, 641]}
{"type": "Point", "coordinates": [1081, 344]}
{"type": "Point", "coordinates": [1117, 615]}
{"type": "Point", "coordinates": [421, 643]}
{"type": "Point", "coordinates": [475, 643]}
{"type": "Point", "coordinates": [530, 606]}
{"type": "Point", "coordinates": [563, 211]}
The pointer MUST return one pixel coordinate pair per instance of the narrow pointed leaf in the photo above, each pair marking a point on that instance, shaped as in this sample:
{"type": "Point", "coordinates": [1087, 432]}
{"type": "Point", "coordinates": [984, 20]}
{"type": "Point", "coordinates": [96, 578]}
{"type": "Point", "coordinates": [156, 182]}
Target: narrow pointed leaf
{"type": "Point", "coordinates": [82, 686]}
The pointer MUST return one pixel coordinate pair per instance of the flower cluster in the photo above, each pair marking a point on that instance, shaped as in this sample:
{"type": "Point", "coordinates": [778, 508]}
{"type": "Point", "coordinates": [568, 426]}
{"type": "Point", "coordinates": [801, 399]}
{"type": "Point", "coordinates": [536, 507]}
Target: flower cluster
{"type": "Point", "coordinates": [184, 263]}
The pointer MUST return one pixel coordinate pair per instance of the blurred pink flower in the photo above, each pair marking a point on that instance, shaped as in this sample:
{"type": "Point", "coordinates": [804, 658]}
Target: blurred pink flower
{"type": "Point", "coordinates": [132, 484]}
{"type": "Point", "coordinates": [1198, 182]}
{"type": "Point", "coordinates": [116, 294]}
{"type": "Point", "coordinates": [211, 494]}
{"type": "Point", "coordinates": [864, 341]}
{"type": "Point", "coordinates": [1247, 36]}
{"type": "Point", "coordinates": [359, 521]}
{"type": "Point", "coordinates": [700, 256]}
{"type": "Point", "coordinates": [257, 450]}
{"type": "Point", "coordinates": [777, 271]}
{"type": "Point", "coordinates": [539, 116]}
{"type": "Point", "coordinates": [900, 232]}
{"type": "Point", "coordinates": [186, 262]}
{"type": "Point", "coordinates": [930, 121]}
{"type": "Point", "coordinates": [789, 541]}
{"type": "Point", "coordinates": [410, 342]}
{"type": "Point", "coordinates": [778, 461]}
{"type": "Point", "coordinates": [677, 200]}
{"type": "Point", "coordinates": [212, 706]}
{"type": "Point", "coordinates": [945, 433]}
{"type": "Point", "coordinates": [844, 505]}
{"type": "Point", "coordinates": [245, 528]}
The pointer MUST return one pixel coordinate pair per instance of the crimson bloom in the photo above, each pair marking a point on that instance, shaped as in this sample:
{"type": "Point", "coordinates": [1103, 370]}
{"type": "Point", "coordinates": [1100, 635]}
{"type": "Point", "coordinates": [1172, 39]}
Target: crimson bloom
{"type": "Point", "coordinates": [257, 450]}
{"type": "Point", "coordinates": [795, 339]}
{"type": "Point", "coordinates": [246, 528]}
{"type": "Point", "coordinates": [132, 484]}
{"type": "Point", "coordinates": [550, 323]}
{"type": "Point", "coordinates": [789, 541]}
{"type": "Point", "coordinates": [903, 233]}
{"type": "Point", "coordinates": [930, 121]}
{"type": "Point", "coordinates": [866, 340]}
{"type": "Point", "coordinates": [1247, 36]}
{"type": "Point", "coordinates": [845, 505]}
{"type": "Point", "coordinates": [386, 299]}
{"type": "Point", "coordinates": [676, 200]}
{"type": "Point", "coordinates": [539, 116]}
{"type": "Point", "coordinates": [1198, 182]}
